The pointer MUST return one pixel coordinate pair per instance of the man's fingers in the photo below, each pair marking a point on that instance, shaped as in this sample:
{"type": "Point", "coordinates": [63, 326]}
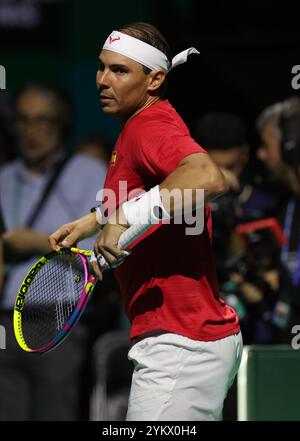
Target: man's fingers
{"type": "Point", "coordinates": [57, 237]}
{"type": "Point", "coordinates": [101, 261]}
{"type": "Point", "coordinates": [53, 242]}
{"type": "Point", "coordinates": [112, 254]}
{"type": "Point", "coordinates": [106, 257]}
{"type": "Point", "coordinates": [66, 236]}
{"type": "Point", "coordinates": [71, 239]}
{"type": "Point", "coordinates": [106, 253]}
{"type": "Point", "coordinates": [96, 270]}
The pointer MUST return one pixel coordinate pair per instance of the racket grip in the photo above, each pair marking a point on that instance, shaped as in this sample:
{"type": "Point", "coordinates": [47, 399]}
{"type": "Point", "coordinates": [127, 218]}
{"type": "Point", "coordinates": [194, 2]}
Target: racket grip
{"type": "Point", "coordinates": [126, 239]}
{"type": "Point", "coordinates": [131, 234]}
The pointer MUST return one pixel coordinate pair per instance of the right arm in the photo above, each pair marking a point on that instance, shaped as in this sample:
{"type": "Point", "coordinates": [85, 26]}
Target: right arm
{"type": "Point", "coordinates": [69, 234]}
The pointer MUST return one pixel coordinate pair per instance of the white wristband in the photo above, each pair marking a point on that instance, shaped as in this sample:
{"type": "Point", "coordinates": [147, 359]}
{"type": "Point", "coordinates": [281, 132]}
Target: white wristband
{"type": "Point", "coordinates": [99, 217]}
{"type": "Point", "coordinates": [145, 209]}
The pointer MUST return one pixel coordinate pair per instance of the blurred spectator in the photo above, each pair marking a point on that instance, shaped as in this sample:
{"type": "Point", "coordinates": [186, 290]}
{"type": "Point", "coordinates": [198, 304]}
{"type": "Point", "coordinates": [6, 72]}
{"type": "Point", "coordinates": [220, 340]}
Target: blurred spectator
{"type": "Point", "coordinates": [96, 146]}
{"type": "Point", "coordinates": [280, 178]}
{"type": "Point", "coordinates": [42, 189]}
{"type": "Point", "coordinates": [279, 129]}
{"type": "Point", "coordinates": [283, 147]}
{"type": "Point", "coordinates": [224, 135]}
{"type": "Point", "coordinates": [267, 124]}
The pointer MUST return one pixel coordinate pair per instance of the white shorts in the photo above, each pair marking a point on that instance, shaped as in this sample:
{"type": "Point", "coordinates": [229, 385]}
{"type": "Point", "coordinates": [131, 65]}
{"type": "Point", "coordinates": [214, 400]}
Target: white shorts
{"type": "Point", "coordinates": [176, 378]}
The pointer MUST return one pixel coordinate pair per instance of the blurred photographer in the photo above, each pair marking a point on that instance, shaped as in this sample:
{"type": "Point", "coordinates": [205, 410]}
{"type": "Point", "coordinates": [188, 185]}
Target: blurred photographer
{"type": "Point", "coordinates": [279, 129]}
{"type": "Point", "coordinates": [254, 278]}
{"type": "Point", "coordinates": [279, 166]}
{"type": "Point", "coordinates": [286, 172]}
{"type": "Point", "coordinates": [259, 286]}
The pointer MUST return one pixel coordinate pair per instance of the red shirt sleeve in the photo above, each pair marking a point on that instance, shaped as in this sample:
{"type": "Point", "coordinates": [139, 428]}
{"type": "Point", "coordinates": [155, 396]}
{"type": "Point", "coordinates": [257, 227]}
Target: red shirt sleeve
{"type": "Point", "coordinates": [159, 148]}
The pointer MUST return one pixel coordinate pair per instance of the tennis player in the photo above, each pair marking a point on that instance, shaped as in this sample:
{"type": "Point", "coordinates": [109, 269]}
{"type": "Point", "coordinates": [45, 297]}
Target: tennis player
{"type": "Point", "coordinates": [187, 342]}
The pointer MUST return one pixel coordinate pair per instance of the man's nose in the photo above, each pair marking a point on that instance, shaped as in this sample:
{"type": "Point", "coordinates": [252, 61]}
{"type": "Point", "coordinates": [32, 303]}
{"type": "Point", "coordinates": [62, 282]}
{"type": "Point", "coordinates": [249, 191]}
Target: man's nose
{"type": "Point", "coordinates": [102, 78]}
{"type": "Point", "coordinates": [28, 130]}
{"type": "Point", "coordinates": [261, 153]}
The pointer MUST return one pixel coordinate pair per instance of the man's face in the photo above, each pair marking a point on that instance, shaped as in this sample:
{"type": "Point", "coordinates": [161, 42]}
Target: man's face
{"type": "Point", "coordinates": [37, 125]}
{"type": "Point", "coordinates": [122, 84]}
{"type": "Point", "coordinates": [270, 151]}
{"type": "Point", "coordinates": [233, 159]}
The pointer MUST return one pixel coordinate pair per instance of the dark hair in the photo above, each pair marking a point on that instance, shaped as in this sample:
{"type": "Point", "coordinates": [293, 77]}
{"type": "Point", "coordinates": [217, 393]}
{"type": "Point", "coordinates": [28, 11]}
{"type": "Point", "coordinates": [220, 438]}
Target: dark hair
{"type": "Point", "coordinates": [62, 100]}
{"type": "Point", "coordinates": [269, 115]}
{"type": "Point", "coordinates": [289, 125]}
{"type": "Point", "coordinates": [290, 116]}
{"type": "Point", "coordinates": [151, 35]}
{"type": "Point", "coordinates": [220, 131]}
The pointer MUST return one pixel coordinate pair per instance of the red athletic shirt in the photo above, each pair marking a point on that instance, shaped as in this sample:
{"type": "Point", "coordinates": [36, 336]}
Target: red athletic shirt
{"type": "Point", "coordinates": [168, 282]}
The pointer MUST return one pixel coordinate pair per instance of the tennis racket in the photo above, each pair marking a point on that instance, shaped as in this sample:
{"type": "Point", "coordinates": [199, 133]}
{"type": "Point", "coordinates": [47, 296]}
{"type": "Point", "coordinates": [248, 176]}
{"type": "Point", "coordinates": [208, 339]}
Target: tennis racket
{"type": "Point", "coordinates": [54, 294]}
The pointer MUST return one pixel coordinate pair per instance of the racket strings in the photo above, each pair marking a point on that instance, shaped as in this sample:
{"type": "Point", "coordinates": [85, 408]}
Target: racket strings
{"type": "Point", "coordinates": [52, 298]}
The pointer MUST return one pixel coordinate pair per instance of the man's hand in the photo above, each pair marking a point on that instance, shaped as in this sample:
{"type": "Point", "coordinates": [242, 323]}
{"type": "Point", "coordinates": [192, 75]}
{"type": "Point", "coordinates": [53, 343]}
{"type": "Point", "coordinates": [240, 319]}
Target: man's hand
{"type": "Point", "coordinates": [106, 244]}
{"type": "Point", "coordinates": [26, 240]}
{"type": "Point", "coordinates": [69, 234]}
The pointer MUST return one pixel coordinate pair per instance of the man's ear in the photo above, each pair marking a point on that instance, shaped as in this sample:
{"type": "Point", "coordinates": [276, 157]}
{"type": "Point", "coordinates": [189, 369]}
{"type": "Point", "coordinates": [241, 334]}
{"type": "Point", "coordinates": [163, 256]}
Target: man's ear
{"type": "Point", "coordinates": [156, 78]}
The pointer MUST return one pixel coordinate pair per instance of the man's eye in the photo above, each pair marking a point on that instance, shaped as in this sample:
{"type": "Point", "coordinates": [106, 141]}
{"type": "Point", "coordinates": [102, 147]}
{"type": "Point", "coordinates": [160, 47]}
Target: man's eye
{"type": "Point", "coordinates": [100, 66]}
{"type": "Point", "coordinates": [119, 70]}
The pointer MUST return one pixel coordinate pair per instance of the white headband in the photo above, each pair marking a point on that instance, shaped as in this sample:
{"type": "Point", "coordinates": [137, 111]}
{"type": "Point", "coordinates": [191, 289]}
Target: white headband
{"type": "Point", "coordinates": [144, 53]}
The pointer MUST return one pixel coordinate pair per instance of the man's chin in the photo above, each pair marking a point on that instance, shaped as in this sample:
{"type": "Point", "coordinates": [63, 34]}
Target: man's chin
{"type": "Point", "coordinates": [106, 108]}
{"type": "Point", "coordinates": [33, 162]}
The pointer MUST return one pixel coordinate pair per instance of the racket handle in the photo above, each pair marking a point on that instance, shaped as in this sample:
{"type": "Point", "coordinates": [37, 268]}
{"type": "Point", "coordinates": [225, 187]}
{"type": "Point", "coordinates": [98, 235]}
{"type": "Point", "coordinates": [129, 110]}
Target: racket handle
{"type": "Point", "coordinates": [131, 234]}
{"type": "Point", "coordinates": [126, 239]}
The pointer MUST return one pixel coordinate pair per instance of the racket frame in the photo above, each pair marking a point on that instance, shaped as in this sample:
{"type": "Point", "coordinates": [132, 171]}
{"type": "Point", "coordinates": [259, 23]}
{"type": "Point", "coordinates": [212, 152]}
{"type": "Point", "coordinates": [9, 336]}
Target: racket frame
{"type": "Point", "coordinates": [89, 284]}
{"type": "Point", "coordinates": [126, 239]}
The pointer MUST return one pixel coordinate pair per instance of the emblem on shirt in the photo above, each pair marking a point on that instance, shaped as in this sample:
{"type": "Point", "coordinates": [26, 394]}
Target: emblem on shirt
{"type": "Point", "coordinates": [113, 158]}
